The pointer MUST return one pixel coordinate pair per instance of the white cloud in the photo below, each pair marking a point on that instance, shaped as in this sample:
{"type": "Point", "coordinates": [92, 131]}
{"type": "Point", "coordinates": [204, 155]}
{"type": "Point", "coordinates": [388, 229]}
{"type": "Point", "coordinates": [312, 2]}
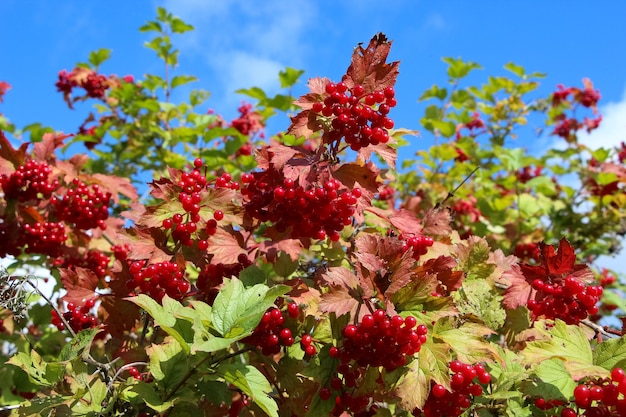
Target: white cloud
{"type": "Point", "coordinates": [245, 43]}
{"type": "Point", "coordinates": [434, 21]}
{"type": "Point", "coordinates": [240, 69]}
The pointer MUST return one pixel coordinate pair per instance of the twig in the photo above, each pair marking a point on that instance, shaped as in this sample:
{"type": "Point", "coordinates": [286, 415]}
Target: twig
{"type": "Point", "coordinates": [451, 193]}
{"type": "Point", "coordinates": [598, 329]}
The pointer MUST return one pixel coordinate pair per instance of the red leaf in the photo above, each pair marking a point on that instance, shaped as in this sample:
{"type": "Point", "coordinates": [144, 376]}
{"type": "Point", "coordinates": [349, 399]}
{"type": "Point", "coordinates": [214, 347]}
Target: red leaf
{"type": "Point", "coordinates": [292, 247]}
{"type": "Point", "coordinates": [369, 67]}
{"type": "Point", "coordinates": [80, 284]}
{"type": "Point", "coordinates": [304, 124]}
{"type": "Point", "coordinates": [519, 291]}
{"type": "Point", "coordinates": [560, 262]}
{"type": "Point", "coordinates": [357, 175]}
{"type": "Point", "coordinates": [386, 152]}
{"type": "Point", "coordinates": [44, 150]}
{"type": "Point", "coordinates": [116, 185]}
{"type": "Point", "coordinates": [120, 316]}
{"type": "Point", "coordinates": [7, 152]}
{"type": "Point", "coordinates": [338, 301]}
{"type": "Point", "coordinates": [226, 245]}
{"type": "Point", "coordinates": [142, 244]}
{"type": "Point", "coordinates": [317, 86]}
{"type": "Point", "coordinates": [437, 222]}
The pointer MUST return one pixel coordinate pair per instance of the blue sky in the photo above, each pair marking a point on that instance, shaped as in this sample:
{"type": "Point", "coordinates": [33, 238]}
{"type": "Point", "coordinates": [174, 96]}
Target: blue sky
{"type": "Point", "coordinates": [244, 43]}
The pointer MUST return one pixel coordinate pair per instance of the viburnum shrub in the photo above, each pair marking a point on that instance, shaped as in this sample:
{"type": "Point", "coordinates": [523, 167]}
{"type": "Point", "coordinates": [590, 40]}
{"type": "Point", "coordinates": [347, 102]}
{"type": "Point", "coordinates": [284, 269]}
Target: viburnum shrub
{"type": "Point", "coordinates": [303, 273]}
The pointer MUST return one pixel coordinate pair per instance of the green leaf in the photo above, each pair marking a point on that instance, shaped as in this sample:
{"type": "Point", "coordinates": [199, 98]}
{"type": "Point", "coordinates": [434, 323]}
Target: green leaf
{"type": "Point", "coordinates": [479, 298]}
{"type": "Point", "coordinates": [434, 92]}
{"type": "Point", "coordinates": [515, 69]}
{"type": "Point", "coordinates": [168, 362]}
{"type": "Point", "coordinates": [178, 26]}
{"type": "Point", "coordinates": [554, 381]}
{"type": "Point", "coordinates": [238, 310]}
{"type": "Point", "coordinates": [142, 393]}
{"type": "Point", "coordinates": [414, 387]}
{"type": "Point", "coordinates": [457, 68]}
{"type": "Point", "coordinates": [98, 57]}
{"type": "Point", "coordinates": [569, 344]}
{"type": "Point", "coordinates": [151, 27]}
{"type": "Point", "coordinates": [182, 79]}
{"type": "Point", "coordinates": [78, 344]}
{"type": "Point", "coordinates": [251, 382]}
{"type": "Point", "coordinates": [36, 368]}
{"type": "Point", "coordinates": [610, 353]}
{"type": "Point", "coordinates": [512, 159]}
{"type": "Point", "coordinates": [468, 341]}
{"type": "Point", "coordinates": [154, 309]}
{"type": "Point", "coordinates": [528, 205]}
{"type": "Point", "coordinates": [254, 92]}
{"type": "Point", "coordinates": [447, 129]}
{"type": "Point", "coordinates": [289, 77]}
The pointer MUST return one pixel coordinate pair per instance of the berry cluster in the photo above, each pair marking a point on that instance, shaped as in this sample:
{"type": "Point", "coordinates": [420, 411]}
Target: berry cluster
{"type": "Point", "coordinates": [594, 398]}
{"type": "Point", "coordinates": [158, 279]}
{"type": "Point", "coordinates": [313, 213]}
{"type": "Point", "coordinates": [380, 340]}
{"type": "Point", "coordinates": [94, 260]}
{"type": "Point", "coordinates": [212, 276]}
{"type": "Point", "coordinates": [78, 317]}
{"type": "Point", "coordinates": [587, 97]}
{"type": "Point", "coordinates": [570, 300]}
{"type": "Point", "coordinates": [86, 207]}
{"type": "Point", "coordinates": [95, 84]}
{"type": "Point", "coordinates": [270, 334]}
{"type": "Point", "coordinates": [29, 182]}
{"type": "Point", "coordinates": [465, 384]}
{"type": "Point", "coordinates": [528, 252]}
{"type": "Point", "coordinates": [342, 386]}
{"type": "Point", "coordinates": [183, 226]}
{"type": "Point", "coordinates": [46, 238]}
{"type": "Point", "coordinates": [359, 118]}
{"type": "Point", "coordinates": [419, 244]}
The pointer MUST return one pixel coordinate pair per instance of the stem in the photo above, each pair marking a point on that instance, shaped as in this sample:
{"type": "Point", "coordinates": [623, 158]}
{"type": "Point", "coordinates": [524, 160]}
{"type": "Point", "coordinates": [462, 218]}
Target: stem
{"type": "Point", "coordinates": [451, 193]}
{"type": "Point", "coordinates": [196, 366]}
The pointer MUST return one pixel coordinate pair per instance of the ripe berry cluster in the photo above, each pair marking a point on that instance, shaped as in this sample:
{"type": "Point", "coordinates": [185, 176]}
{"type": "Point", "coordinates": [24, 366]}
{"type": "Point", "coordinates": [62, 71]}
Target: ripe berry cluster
{"type": "Point", "coordinates": [86, 207]}
{"type": "Point", "coordinates": [46, 238]}
{"type": "Point", "coordinates": [359, 118]}
{"type": "Point", "coordinates": [183, 226]}
{"type": "Point", "coordinates": [270, 334]}
{"type": "Point", "coordinates": [569, 300]}
{"type": "Point", "coordinates": [313, 213]}
{"type": "Point", "coordinates": [380, 340]}
{"type": "Point", "coordinates": [342, 386]}
{"type": "Point", "coordinates": [78, 317]}
{"type": "Point", "coordinates": [29, 182]}
{"type": "Point", "coordinates": [603, 397]}
{"type": "Point", "coordinates": [527, 252]}
{"type": "Point", "coordinates": [419, 244]}
{"type": "Point", "coordinates": [465, 384]}
{"type": "Point", "coordinates": [595, 398]}
{"type": "Point", "coordinates": [94, 260]}
{"type": "Point", "coordinates": [158, 279]}
{"type": "Point", "coordinates": [212, 276]}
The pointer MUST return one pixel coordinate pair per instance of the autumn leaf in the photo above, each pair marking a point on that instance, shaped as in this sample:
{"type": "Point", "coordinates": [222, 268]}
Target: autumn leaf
{"type": "Point", "coordinates": [226, 245]}
{"type": "Point", "coordinates": [44, 150]}
{"type": "Point", "coordinates": [357, 175]}
{"type": "Point", "coordinates": [386, 152]}
{"type": "Point", "coordinates": [9, 153]}
{"type": "Point", "coordinates": [80, 284]}
{"type": "Point", "coordinates": [345, 292]}
{"type": "Point", "coordinates": [437, 222]}
{"type": "Point", "coordinates": [142, 246]}
{"type": "Point", "coordinates": [369, 68]}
